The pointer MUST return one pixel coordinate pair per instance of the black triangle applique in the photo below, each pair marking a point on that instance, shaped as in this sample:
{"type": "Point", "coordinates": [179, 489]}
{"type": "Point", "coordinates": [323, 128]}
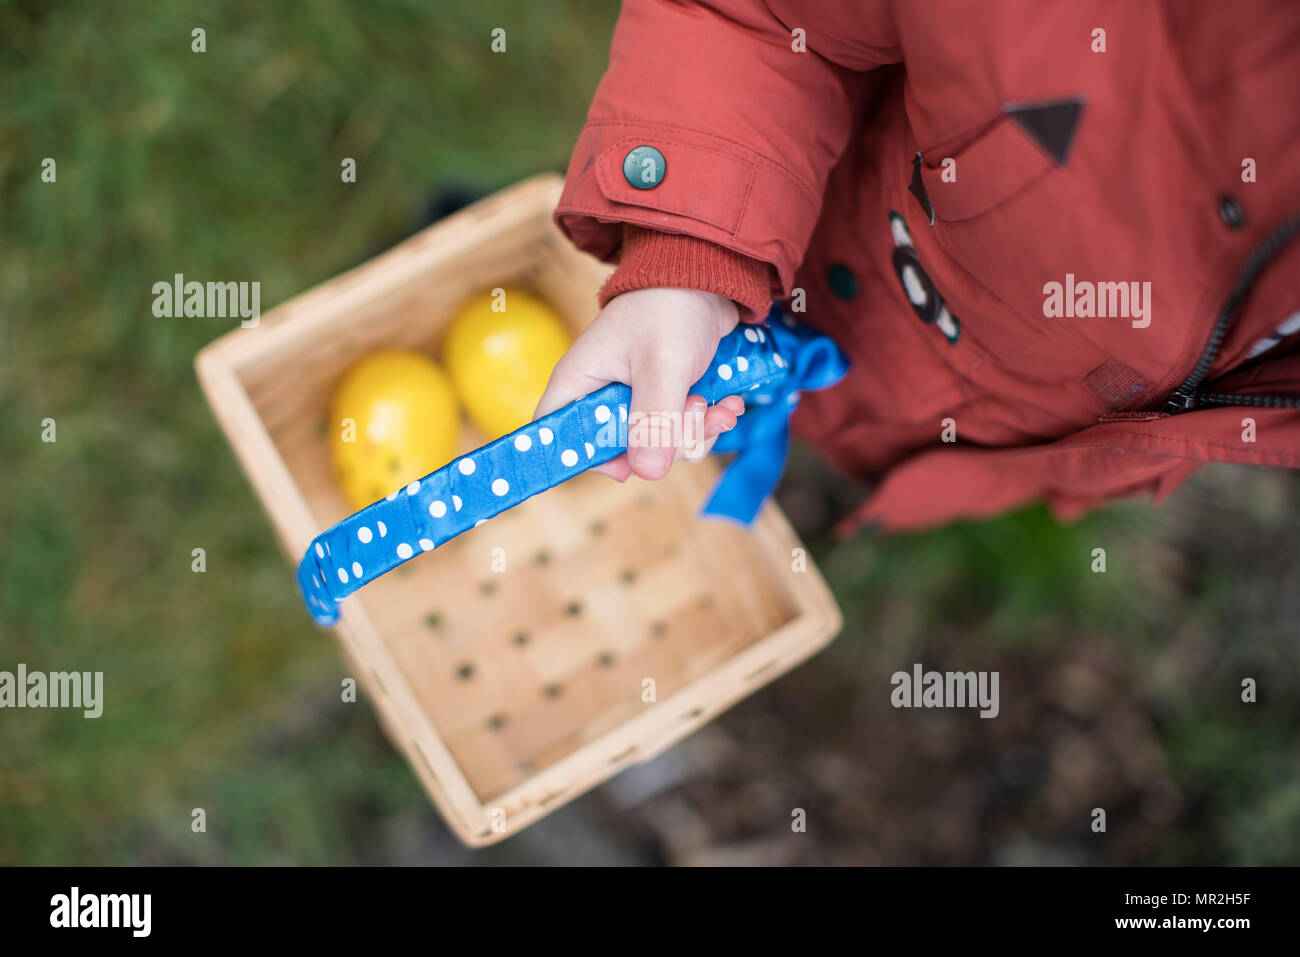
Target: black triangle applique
{"type": "Point", "coordinates": [1051, 125]}
{"type": "Point", "coordinates": [917, 188]}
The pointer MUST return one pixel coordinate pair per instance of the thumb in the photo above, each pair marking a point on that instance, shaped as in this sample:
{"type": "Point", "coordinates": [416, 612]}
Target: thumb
{"type": "Point", "coordinates": [660, 380]}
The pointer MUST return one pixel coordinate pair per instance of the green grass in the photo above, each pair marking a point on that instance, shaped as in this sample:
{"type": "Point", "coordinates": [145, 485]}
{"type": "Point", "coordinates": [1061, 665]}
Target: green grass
{"type": "Point", "coordinates": [220, 165]}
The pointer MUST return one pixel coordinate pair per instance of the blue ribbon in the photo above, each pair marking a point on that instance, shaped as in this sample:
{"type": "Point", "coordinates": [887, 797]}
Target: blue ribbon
{"type": "Point", "coordinates": [761, 437]}
{"type": "Point", "coordinates": [768, 365]}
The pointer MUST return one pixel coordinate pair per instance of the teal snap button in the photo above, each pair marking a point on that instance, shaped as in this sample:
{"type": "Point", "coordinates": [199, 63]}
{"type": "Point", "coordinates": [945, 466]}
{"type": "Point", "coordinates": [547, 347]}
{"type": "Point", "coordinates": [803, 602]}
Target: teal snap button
{"type": "Point", "coordinates": [842, 281]}
{"type": "Point", "coordinates": [644, 167]}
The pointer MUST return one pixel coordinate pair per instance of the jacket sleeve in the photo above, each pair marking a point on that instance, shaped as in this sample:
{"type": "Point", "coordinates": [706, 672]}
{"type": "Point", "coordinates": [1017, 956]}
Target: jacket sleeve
{"type": "Point", "coordinates": [748, 117]}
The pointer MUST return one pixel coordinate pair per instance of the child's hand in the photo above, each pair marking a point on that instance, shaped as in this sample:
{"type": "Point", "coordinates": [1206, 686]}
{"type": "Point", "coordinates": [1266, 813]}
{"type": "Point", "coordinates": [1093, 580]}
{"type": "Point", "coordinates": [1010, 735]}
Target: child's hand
{"type": "Point", "coordinates": [660, 342]}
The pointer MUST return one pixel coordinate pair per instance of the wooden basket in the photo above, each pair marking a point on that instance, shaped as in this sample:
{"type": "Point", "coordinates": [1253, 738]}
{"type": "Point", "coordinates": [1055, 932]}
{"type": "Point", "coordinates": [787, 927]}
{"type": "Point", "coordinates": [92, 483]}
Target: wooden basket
{"type": "Point", "coordinates": [621, 622]}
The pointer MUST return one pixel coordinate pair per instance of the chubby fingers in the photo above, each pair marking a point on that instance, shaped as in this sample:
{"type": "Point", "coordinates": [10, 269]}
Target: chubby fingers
{"type": "Point", "coordinates": [714, 421]}
{"type": "Point", "coordinates": [655, 433]}
{"type": "Point", "coordinates": [660, 381]}
{"type": "Point", "coordinates": [702, 425]}
{"type": "Point", "coordinates": [570, 380]}
{"type": "Point", "coordinates": [616, 468]}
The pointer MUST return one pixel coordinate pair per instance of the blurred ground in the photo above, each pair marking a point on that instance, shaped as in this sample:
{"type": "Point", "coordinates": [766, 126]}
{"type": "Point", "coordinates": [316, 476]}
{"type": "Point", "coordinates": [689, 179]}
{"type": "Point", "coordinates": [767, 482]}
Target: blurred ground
{"type": "Point", "coordinates": [1119, 690]}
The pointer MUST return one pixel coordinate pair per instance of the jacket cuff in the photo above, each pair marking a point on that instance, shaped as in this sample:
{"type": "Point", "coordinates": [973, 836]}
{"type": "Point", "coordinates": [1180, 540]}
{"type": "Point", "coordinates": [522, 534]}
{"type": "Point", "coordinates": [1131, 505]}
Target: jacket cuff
{"type": "Point", "coordinates": [652, 259]}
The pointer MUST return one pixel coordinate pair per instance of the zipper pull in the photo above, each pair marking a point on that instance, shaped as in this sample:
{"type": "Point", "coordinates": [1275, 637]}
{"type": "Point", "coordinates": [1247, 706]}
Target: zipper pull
{"type": "Point", "coordinates": [1180, 400]}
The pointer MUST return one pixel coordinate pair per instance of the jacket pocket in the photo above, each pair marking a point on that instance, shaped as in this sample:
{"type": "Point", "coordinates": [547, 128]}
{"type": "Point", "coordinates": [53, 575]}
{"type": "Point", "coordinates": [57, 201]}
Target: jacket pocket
{"type": "Point", "coordinates": [969, 182]}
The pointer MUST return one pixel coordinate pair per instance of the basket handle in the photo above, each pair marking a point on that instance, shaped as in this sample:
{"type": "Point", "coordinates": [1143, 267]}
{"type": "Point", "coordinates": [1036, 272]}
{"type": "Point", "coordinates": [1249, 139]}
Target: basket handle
{"type": "Point", "coordinates": [475, 487]}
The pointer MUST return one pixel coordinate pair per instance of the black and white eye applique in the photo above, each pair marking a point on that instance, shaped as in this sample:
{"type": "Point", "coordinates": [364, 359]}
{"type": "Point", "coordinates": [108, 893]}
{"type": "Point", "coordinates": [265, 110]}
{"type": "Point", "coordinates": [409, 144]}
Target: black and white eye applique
{"type": "Point", "coordinates": [917, 285]}
{"type": "Point", "coordinates": [1288, 327]}
{"type": "Point", "coordinates": [898, 228]}
{"type": "Point", "coordinates": [948, 325]}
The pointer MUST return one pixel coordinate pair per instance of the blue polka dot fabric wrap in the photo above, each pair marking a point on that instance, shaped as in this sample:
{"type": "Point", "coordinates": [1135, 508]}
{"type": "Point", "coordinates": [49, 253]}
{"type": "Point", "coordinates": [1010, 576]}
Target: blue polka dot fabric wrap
{"type": "Point", "coordinates": [766, 364]}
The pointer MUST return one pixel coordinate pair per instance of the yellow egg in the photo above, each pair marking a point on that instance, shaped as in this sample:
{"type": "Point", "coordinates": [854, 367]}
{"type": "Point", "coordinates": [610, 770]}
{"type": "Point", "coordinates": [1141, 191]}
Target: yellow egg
{"type": "Point", "coordinates": [394, 419]}
{"type": "Point", "coordinates": [501, 361]}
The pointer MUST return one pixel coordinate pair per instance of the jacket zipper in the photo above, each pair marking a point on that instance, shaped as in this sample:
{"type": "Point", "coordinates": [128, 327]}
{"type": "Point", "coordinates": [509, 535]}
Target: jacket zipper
{"type": "Point", "coordinates": [1188, 395]}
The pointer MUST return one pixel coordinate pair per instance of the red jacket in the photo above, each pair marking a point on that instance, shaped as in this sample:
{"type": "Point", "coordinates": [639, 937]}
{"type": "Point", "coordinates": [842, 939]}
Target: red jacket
{"type": "Point", "coordinates": [1095, 241]}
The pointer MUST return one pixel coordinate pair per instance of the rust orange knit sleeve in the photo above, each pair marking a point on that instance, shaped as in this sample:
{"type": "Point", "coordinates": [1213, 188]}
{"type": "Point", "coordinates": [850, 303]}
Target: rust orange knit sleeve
{"type": "Point", "coordinates": [651, 258]}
